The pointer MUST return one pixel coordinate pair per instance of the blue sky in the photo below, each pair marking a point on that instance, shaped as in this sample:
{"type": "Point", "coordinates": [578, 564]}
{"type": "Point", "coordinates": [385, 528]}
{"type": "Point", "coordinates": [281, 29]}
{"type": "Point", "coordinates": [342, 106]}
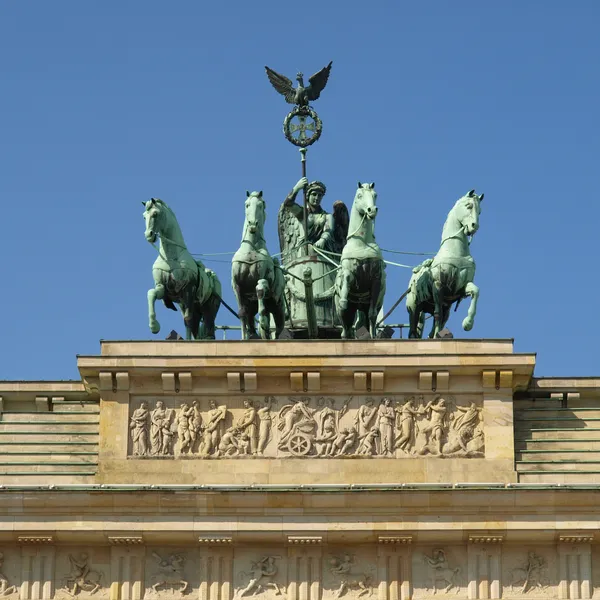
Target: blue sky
{"type": "Point", "coordinates": [105, 104]}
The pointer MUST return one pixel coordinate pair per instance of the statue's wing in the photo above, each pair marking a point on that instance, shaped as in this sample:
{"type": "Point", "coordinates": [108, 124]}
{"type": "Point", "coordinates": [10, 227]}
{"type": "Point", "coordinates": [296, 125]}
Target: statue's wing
{"type": "Point", "coordinates": [282, 84]}
{"type": "Point", "coordinates": [317, 82]}
{"type": "Point", "coordinates": [341, 221]}
{"type": "Point", "coordinates": [290, 233]}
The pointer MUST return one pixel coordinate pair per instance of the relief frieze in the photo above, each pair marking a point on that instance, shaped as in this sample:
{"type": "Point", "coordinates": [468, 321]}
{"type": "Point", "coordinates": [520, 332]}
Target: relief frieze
{"type": "Point", "coordinates": [307, 427]}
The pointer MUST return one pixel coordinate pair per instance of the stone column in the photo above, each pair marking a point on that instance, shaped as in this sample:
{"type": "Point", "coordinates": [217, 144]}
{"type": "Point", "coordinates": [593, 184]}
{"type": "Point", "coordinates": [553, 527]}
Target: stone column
{"type": "Point", "coordinates": [304, 568]}
{"type": "Point", "coordinates": [127, 562]}
{"type": "Point", "coordinates": [498, 417]}
{"type": "Point", "coordinates": [394, 567]}
{"type": "Point", "coordinates": [575, 567]}
{"type": "Point", "coordinates": [37, 568]}
{"type": "Point", "coordinates": [484, 559]}
{"type": "Point", "coordinates": [216, 569]}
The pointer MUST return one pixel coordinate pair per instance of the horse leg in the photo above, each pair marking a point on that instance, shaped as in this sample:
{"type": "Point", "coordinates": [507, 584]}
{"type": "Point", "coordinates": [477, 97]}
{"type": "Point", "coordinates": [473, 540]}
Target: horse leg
{"type": "Point", "coordinates": [374, 306]}
{"type": "Point", "coordinates": [473, 291]}
{"type": "Point", "coordinates": [437, 311]}
{"type": "Point", "coordinates": [344, 289]}
{"type": "Point", "coordinates": [262, 289]}
{"type": "Point", "coordinates": [209, 316]}
{"type": "Point", "coordinates": [154, 294]}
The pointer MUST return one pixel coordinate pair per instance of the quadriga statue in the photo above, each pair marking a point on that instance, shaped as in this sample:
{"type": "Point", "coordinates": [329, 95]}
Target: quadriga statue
{"type": "Point", "coordinates": [320, 252]}
{"type": "Point", "coordinates": [178, 278]}
{"type": "Point", "coordinates": [447, 278]}
{"type": "Point", "coordinates": [360, 282]}
{"type": "Point", "coordinates": [256, 277]}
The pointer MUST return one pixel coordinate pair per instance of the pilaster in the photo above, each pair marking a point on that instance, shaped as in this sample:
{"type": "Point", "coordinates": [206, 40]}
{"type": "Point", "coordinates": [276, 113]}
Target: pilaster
{"type": "Point", "coordinates": [127, 556]}
{"type": "Point", "coordinates": [304, 569]}
{"type": "Point", "coordinates": [574, 567]}
{"type": "Point", "coordinates": [37, 569]}
{"type": "Point", "coordinates": [216, 569]}
{"type": "Point", "coordinates": [484, 560]}
{"type": "Point", "coordinates": [394, 567]}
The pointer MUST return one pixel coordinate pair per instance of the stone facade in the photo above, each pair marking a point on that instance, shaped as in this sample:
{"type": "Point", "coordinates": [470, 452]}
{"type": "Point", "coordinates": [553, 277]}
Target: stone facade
{"type": "Point", "coordinates": [393, 469]}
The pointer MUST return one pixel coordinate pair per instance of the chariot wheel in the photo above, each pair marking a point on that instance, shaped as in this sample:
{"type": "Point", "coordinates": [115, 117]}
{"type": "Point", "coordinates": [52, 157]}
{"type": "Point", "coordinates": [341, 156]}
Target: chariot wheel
{"type": "Point", "coordinates": [300, 444]}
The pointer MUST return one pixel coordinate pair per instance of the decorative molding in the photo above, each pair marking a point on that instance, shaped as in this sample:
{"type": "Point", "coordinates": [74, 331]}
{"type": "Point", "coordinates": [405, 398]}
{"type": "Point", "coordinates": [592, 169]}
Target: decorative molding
{"type": "Point", "coordinates": [185, 382]}
{"type": "Point", "coordinates": [42, 403]}
{"type": "Point", "coordinates": [307, 540]}
{"type": "Point", "coordinates": [442, 381]}
{"type": "Point", "coordinates": [168, 382]}
{"type": "Point", "coordinates": [486, 539]}
{"type": "Point", "coordinates": [488, 379]}
{"type": "Point", "coordinates": [105, 380]}
{"type": "Point", "coordinates": [122, 381]}
{"type": "Point", "coordinates": [426, 381]}
{"type": "Point", "coordinates": [234, 382]}
{"type": "Point", "coordinates": [216, 540]}
{"type": "Point", "coordinates": [297, 381]}
{"type": "Point", "coordinates": [360, 381]}
{"type": "Point", "coordinates": [35, 539]}
{"type": "Point", "coordinates": [377, 381]}
{"type": "Point", "coordinates": [313, 382]}
{"type": "Point", "coordinates": [576, 538]}
{"type": "Point", "coordinates": [505, 379]}
{"type": "Point", "coordinates": [125, 540]}
{"type": "Point", "coordinates": [250, 381]}
{"type": "Point", "coordinates": [395, 539]}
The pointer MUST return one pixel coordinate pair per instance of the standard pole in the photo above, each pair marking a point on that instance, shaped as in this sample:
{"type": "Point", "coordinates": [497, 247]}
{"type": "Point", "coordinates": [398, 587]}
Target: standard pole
{"type": "Point", "coordinates": [305, 213]}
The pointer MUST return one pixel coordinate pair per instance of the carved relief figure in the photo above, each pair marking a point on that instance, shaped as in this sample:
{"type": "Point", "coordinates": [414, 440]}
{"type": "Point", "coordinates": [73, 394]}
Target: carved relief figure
{"type": "Point", "coordinates": [214, 428]}
{"type": "Point", "coordinates": [170, 573]}
{"type": "Point", "coordinates": [368, 444]}
{"type": "Point", "coordinates": [386, 416]}
{"type": "Point", "coordinates": [407, 426]}
{"type": "Point", "coordinates": [436, 427]}
{"type": "Point", "coordinates": [246, 425]}
{"type": "Point", "coordinates": [186, 413]}
{"type": "Point", "coordinates": [139, 430]}
{"type": "Point", "coordinates": [81, 578]}
{"type": "Point", "coordinates": [297, 425]}
{"type": "Point", "coordinates": [463, 430]}
{"type": "Point", "coordinates": [161, 435]}
{"type": "Point", "coordinates": [261, 576]}
{"type": "Point", "coordinates": [5, 589]}
{"type": "Point", "coordinates": [342, 566]}
{"type": "Point", "coordinates": [365, 417]}
{"type": "Point", "coordinates": [344, 442]}
{"type": "Point", "coordinates": [264, 424]}
{"type": "Point", "coordinates": [529, 577]}
{"type": "Point", "coordinates": [196, 427]}
{"type": "Point", "coordinates": [229, 444]}
{"type": "Point", "coordinates": [328, 424]}
{"type": "Point", "coordinates": [441, 572]}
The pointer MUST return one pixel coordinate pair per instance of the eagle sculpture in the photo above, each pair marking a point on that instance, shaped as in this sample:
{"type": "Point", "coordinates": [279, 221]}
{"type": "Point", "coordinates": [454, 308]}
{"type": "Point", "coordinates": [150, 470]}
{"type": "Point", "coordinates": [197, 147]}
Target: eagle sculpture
{"type": "Point", "coordinates": [300, 95]}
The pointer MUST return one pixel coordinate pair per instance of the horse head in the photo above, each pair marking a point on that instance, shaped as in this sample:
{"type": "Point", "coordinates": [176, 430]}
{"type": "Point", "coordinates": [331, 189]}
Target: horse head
{"type": "Point", "coordinates": [154, 217]}
{"type": "Point", "coordinates": [255, 213]}
{"type": "Point", "coordinates": [467, 211]}
{"type": "Point", "coordinates": [364, 200]}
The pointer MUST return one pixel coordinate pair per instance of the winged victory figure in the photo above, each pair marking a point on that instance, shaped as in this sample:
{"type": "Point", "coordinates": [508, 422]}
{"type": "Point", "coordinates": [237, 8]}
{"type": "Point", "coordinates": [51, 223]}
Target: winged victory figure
{"type": "Point", "coordinates": [300, 95]}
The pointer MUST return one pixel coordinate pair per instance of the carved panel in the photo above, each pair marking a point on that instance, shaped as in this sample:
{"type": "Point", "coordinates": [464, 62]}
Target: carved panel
{"type": "Point", "coordinates": [305, 426]}
{"type": "Point", "coordinates": [440, 571]}
{"type": "Point", "coordinates": [10, 572]}
{"type": "Point", "coordinates": [82, 573]}
{"type": "Point", "coordinates": [529, 572]}
{"type": "Point", "coordinates": [170, 572]}
{"type": "Point", "coordinates": [260, 574]}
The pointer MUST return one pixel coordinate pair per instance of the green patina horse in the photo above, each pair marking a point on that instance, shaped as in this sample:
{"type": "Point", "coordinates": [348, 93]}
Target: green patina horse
{"type": "Point", "coordinates": [257, 278]}
{"type": "Point", "coordinates": [447, 278]}
{"type": "Point", "coordinates": [178, 278]}
{"type": "Point", "coordinates": [360, 281]}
